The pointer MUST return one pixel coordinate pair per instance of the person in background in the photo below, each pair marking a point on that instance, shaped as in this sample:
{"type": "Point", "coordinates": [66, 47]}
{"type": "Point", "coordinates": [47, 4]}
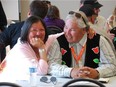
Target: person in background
{"type": "Point", "coordinates": [53, 17]}
{"type": "Point", "coordinates": [111, 26]}
{"type": "Point", "coordinates": [98, 21]}
{"type": "Point", "coordinates": [47, 2]}
{"type": "Point", "coordinates": [3, 24]}
{"type": "Point", "coordinates": [10, 35]}
{"type": "Point", "coordinates": [89, 12]}
{"type": "Point", "coordinates": [112, 19]}
{"type": "Point", "coordinates": [29, 46]}
{"type": "Point", "coordinates": [90, 57]}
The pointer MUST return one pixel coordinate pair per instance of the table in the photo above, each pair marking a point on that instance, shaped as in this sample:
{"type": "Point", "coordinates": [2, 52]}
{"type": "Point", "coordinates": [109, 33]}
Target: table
{"type": "Point", "coordinates": [60, 82]}
{"type": "Point", "coordinates": [112, 82]}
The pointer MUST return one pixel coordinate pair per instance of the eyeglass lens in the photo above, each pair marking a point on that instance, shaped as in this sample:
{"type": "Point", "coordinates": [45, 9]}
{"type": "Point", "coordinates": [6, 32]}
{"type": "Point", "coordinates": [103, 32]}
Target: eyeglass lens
{"type": "Point", "coordinates": [44, 79]}
{"type": "Point", "coordinates": [52, 79]}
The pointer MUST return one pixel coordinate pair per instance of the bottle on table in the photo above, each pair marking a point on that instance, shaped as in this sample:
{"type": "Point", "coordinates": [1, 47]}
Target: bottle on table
{"type": "Point", "coordinates": [33, 73]}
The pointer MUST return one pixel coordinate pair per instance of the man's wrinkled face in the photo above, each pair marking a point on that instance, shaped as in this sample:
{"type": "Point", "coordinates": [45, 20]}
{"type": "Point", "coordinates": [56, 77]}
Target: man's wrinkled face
{"type": "Point", "coordinates": [72, 32]}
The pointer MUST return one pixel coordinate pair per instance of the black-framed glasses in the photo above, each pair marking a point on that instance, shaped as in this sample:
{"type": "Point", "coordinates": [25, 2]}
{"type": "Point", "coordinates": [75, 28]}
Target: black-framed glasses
{"type": "Point", "coordinates": [45, 80]}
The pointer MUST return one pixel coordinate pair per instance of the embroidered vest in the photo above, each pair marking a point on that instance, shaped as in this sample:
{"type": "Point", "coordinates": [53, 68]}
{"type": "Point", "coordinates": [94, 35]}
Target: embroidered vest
{"type": "Point", "coordinates": [65, 50]}
{"type": "Point", "coordinates": [64, 47]}
{"type": "Point", "coordinates": [92, 55]}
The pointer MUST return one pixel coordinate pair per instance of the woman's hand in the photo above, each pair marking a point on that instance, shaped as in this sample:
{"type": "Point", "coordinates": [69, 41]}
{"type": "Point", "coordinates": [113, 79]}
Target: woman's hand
{"type": "Point", "coordinates": [37, 42]}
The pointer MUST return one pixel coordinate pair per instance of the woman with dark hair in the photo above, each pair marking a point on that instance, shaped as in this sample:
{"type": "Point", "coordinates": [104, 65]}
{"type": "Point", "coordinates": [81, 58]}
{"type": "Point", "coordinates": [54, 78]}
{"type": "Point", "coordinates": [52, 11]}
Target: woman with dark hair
{"type": "Point", "coordinates": [53, 17]}
{"type": "Point", "coordinates": [29, 46]}
{"type": "Point", "coordinates": [10, 35]}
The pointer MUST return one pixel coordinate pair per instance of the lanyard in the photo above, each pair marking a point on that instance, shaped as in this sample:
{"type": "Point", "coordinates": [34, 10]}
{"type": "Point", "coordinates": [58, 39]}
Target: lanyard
{"type": "Point", "coordinates": [78, 57]}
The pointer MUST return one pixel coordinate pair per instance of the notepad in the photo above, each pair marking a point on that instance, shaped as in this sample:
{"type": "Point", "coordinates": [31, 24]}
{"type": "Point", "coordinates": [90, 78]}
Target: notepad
{"type": "Point", "coordinates": [104, 80]}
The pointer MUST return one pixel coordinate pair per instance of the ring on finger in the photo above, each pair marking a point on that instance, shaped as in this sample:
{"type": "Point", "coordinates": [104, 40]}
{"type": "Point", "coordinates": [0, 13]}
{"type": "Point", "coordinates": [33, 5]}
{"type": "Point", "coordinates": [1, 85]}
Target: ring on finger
{"type": "Point", "coordinates": [36, 39]}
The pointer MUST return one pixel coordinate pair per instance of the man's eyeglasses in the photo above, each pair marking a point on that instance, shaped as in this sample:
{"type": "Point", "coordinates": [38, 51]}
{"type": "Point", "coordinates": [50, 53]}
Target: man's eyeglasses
{"type": "Point", "coordinates": [78, 15]}
{"type": "Point", "coordinates": [45, 80]}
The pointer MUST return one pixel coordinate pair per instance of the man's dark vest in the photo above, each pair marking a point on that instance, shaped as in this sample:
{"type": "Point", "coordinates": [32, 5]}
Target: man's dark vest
{"type": "Point", "coordinates": [65, 50]}
{"type": "Point", "coordinates": [64, 45]}
{"type": "Point", "coordinates": [92, 52]}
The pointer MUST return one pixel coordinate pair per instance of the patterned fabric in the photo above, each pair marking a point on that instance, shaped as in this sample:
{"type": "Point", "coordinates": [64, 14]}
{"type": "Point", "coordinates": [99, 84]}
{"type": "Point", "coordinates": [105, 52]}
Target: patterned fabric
{"type": "Point", "coordinates": [92, 52]}
{"type": "Point", "coordinates": [65, 50]}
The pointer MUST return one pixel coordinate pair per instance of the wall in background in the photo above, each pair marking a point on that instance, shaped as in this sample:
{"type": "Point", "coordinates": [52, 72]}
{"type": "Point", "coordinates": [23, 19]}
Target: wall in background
{"type": "Point", "coordinates": [12, 8]}
{"type": "Point", "coordinates": [16, 9]}
{"type": "Point", "coordinates": [108, 7]}
{"type": "Point", "coordinates": [24, 8]}
{"type": "Point", "coordinates": [67, 5]}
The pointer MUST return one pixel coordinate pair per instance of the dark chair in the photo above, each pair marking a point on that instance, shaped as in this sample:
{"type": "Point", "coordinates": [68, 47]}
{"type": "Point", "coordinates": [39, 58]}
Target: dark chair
{"type": "Point", "coordinates": [114, 32]}
{"type": "Point", "coordinates": [9, 84]}
{"type": "Point", "coordinates": [98, 84]}
{"type": "Point", "coordinates": [53, 30]}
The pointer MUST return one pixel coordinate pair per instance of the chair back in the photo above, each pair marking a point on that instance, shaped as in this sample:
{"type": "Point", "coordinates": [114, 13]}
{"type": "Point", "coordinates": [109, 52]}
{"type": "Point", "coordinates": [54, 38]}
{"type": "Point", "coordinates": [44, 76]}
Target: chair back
{"type": "Point", "coordinates": [9, 84]}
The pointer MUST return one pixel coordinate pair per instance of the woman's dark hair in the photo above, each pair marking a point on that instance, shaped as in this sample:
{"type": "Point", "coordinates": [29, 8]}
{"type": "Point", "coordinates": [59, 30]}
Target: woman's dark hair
{"type": "Point", "coordinates": [27, 26]}
{"type": "Point", "coordinates": [53, 12]}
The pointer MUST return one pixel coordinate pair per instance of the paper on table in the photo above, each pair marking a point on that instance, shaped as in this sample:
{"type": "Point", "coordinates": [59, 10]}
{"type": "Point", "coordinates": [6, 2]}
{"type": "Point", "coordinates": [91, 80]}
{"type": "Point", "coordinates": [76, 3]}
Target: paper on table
{"type": "Point", "coordinates": [104, 80]}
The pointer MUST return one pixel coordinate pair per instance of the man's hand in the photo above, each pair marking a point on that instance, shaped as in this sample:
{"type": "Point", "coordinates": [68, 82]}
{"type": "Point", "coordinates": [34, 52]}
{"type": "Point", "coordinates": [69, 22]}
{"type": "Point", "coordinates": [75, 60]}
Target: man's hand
{"type": "Point", "coordinates": [84, 72]}
{"type": "Point", "coordinates": [74, 73]}
{"type": "Point", "coordinates": [77, 73]}
{"type": "Point", "coordinates": [89, 72]}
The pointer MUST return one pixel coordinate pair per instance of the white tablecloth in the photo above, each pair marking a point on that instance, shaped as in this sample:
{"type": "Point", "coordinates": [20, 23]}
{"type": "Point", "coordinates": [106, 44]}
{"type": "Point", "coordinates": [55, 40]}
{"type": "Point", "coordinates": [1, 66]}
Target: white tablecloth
{"type": "Point", "coordinates": [60, 82]}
